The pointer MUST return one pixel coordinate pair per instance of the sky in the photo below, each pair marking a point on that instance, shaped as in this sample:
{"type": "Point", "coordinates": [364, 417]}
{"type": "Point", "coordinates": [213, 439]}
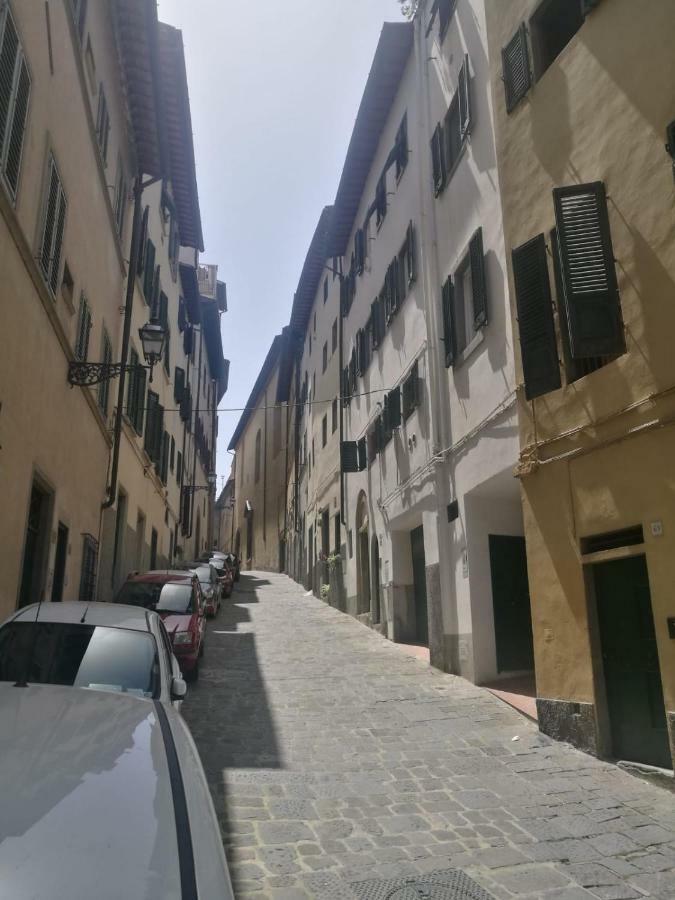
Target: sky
{"type": "Point", "coordinates": [274, 92]}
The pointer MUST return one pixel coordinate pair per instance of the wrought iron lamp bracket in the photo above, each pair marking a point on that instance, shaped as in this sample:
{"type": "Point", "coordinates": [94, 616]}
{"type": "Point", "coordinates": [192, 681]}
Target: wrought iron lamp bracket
{"type": "Point", "coordinates": [86, 374]}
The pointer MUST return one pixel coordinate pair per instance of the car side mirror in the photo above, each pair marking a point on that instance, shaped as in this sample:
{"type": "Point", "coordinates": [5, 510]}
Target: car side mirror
{"type": "Point", "coordinates": [178, 689]}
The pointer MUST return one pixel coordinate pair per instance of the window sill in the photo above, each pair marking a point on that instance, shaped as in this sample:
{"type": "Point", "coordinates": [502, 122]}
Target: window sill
{"type": "Point", "coordinates": [470, 348]}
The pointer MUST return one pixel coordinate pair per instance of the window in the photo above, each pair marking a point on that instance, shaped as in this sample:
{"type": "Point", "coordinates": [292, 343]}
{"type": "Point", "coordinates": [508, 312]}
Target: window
{"type": "Point", "coordinates": [438, 160]}
{"type": "Point", "coordinates": [83, 329]}
{"type": "Point", "coordinates": [179, 467]}
{"type": "Point", "coordinates": [325, 289]}
{"type": "Point", "coordinates": [334, 416]}
{"type": "Point", "coordinates": [324, 431]}
{"type": "Point", "coordinates": [464, 301]}
{"type": "Point", "coordinates": [401, 147]}
{"type": "Point", "coordinates": [67, 285]}
{"type": "Point", "coordinates": [136, 394]}
{"type": "Point", "coordinates": [79, 10]}
{"type": "Point", "coordinates": [90, 66]}
{"type": "Point", "coordinates": [104, 386]}
{"type": "Point", "coordinates": [325, 357]}
{"type": "Point", "coordinates": [163, 316]}
{"type": "Point", "coordinates": [14, 96]}
{"type": "Point", "coordinates": [258, 439]}
{"type": "Point", "coordinates": [120, 197]}
{"type": "Point", "coordinates": [334, 337]}
{"type": "Point", "coordinates": [154, 427]}
{"type": "Point", "coordinates": [359, 251]}
{"type": "Point", "coordinates": [102, 124]}
{"type": "Point", "coordinates": [54, 218]}
{"type": "Point", "coordinates": [381, 199]}
{"type": "Point", "coordinates": [411, 391]}
{"type": "Point", "coordinates": [88, 571]}
{"type": "Point", "coordinates": [552, 27]}
{"type": "Point", "coordinates": [516, 73]}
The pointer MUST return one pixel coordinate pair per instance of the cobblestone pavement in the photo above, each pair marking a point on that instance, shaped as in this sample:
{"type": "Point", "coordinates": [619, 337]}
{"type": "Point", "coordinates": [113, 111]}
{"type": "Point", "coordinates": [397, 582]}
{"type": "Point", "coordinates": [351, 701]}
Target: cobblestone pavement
{"type": "Point", "coordinates": [334, 757]}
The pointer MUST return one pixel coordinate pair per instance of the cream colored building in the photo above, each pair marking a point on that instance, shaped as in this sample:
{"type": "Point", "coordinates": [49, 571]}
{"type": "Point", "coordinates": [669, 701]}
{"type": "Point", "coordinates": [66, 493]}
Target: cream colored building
{"type": "Point", "coordinates": [260, 445]}
{"type": "Point", "coordinates": [583, 94]}
{"type": "Point", "coordinates": [73, 140]}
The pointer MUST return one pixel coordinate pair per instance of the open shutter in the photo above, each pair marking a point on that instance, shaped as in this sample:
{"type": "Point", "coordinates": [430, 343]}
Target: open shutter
{"type": "Point", "coordinates": [17, 122]}
{"type": "Point", "coordinates": [360, 250]}
{"type": "Point", "coordinates": [152, 402]}
{"type": "Point", "coordinates": [590, 288]}
{"type": "Point", "coordinates": [516, 75]}
{"type": "Point", "coordinates": [437, 159]}
{"type": "Point", "coordinates": [140, 377]}
{"type": "Point", "coordinates": [480, 303]}
{"type": "Point", "coordinates": [149, 270]}
{"type": "Point", "coordinates": [9, 53]}
{"type": "Point", "coordinates": [155, 299]}
{"type": "Point", "coordinates": [362, 454]}
{"type": "Point", "coordinates": [143, 241]}
{"type": "Point", "coordinates": [187, 340]}
{"type": "Point", "coordinates": [58, 241]}
{"type": "Point", "coordinates": [349, 456]}
{"type": "Point", "coordinates": [345, 386]}
{"type": "Point", "coordinates": [394, 408]}
{"type": "Point", "coordinates": [538, 349]}
{"type": "Point", "coordinates": [375, 339]}
{"type": "Point", "coordinates": [361, 352]}
{"type": "Point", "coordinates": [448, 325]}
{"type": "Point", "coordinates": [164, 458]}
{"type": "Point", "coordinates": [50, 219]}
{"type": "Point", "coordinates": [410, 254]}
{"type": "Point", "coordinates": [178, 384]}
{"type": "Point", "coordinates": [182, 318]}
{"type": "Point", "coordinates": [464, 92]}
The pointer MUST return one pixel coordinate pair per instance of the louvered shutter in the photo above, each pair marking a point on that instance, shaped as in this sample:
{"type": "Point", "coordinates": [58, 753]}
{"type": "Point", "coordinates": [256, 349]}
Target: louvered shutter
{"type": "Point", "coordinates": [155, 310]}
{"type": "Point", "coordinates": [448, 323]}
{"type": "Point", "coordinates": [164, 459]}
{"type": "Point", "coordinates": [152, 402]}
{"type": "Point", "coordinates": [149, 271]}
{"type": "Point", "coordinates": [516, 68]}
{"type": "Point", "coordinates": [590, 288]}
{"type": "Point", "coordinates": [178, 384]}
{"type": "Point", "coordinates": [9, 53]}
{"type": "Point", "coordinates": [17, 122]}
{"type": "Point", "coordinates": [187, 340]}
{"type": "Point", "coordinates": [345, 386]}
{"type": "Point", "coordinates": [478, 286]}
{"type": "Point", "coordinates": [163, 309]}
{"type": "Point", "coordinates": [394, 408]}
{"type": "Point", "coordinates": [374, 324]}
{"type": "Point", "coordinates": [361, 352]}
{"type": "Point", "coordinates": [437, 159]}
{"type": "Point", "coordinates": [157, 438]}
{"type": "Point", "coordinates": [182, 319]}
{"type": "Point", "coordinates": [139, 385]}
{"type": "Point", "coordinates": [58, 241]}
{"type": "Point", "coordinates": [539, 353]}
{"type": "Point", "coordinates": [362, 454]}
{"type": "Point", "coordinates": [349, 456]}
{"type": "Point", "coordinates": [53, 190]}
{"type": "Point", "coordinates": [352, 373]}
{"type": "Point", "coordinates": [410, 254]}
{"type": "Point", "coordinates": [464, 92]}
{"type": "Point", "coordinates": [360, 250]}
{"type": "Point", "coordinates": [143, 241]}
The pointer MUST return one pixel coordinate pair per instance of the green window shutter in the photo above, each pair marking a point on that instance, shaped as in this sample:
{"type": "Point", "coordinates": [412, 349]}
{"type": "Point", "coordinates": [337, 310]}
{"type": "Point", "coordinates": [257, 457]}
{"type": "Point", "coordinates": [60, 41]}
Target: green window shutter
{"type": "Point", "coordinates": [55, 272]}
{"type": "Point", "coordinates": [464, 91]}
{"type": "Point", "coordinates": [156, 292]}
{"type": "Point", "coordinates": [346, 394]}
{"type": "Point", "coordinates": [402, 146]}
{"type": "Point", "coordinates": [410, 254]}
{"type": "Point", "coordinates": [148, 270]}
{"type": "Point", "coordinates": [140, 379]}
{"type": "Point", "coordinates": [178, 384]}
{"type": "Point", "coordinates": [394, 408]}
{"type": "Point", "coordinates": [410, 392]}
{"type": "Point", "coordinates": [480, 300]}
{"type": "Point", "coordinates": [151, 419]}
{"type": "Point", "coordinates": [132, 397]}
{"type": "Point", "coordinates": [588, 275]}
{"type": "Point", "coordinates": [359, 250]}
{"type": "Point", "coordinates": [539, 353]}
{"type": "Point", "coordinates": [143, 241]}
{"type": "Point", "coordinates": [17, 118]}
{"type": "Point", "coordinates": [362, 455]}
{"type": "Point", "coordinates": [371, 444]}
{"type": "Point", "coordinates": [9, 55]}
{"type": "Point", "coordinates": [188, 341]}
{"type": "Point", "coordinates": [448, 324]}
{"type": "Point", "coordinates": [163, 308]}
{"type": "Point", "coordinates": [360, 352]}
{"type": "Point", "coordinates": [587, 6]}
{"type": "Point", "coordinates": [438, 159]}
{"type": "Point", "coordinates": [349, 456]}
{"type": "Point", "coordinates": [164, 458]}
{"type": "Point", "coordinates": [516, 72]}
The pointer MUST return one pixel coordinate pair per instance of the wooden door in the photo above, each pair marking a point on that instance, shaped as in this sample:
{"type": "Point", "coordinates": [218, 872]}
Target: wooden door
{"type": "Point", "coordinates": [420, 585]}
{"type": "Point", "coordinates": [511, 603]}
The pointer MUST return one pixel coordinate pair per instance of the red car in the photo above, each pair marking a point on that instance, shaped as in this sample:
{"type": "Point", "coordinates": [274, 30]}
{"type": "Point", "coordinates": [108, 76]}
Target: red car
{"type": "Point", "coordinates": [225, 575]}
{"type": "Point", "coordinates": [177, 597]}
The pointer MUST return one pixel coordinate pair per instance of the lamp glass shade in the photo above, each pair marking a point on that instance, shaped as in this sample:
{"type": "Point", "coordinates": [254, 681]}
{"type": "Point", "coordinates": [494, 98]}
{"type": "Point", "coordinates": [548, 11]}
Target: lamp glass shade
{"type": "Point", "coordinates": [212, 478]}
{"type": "Point", "coordinates": [152, 337]}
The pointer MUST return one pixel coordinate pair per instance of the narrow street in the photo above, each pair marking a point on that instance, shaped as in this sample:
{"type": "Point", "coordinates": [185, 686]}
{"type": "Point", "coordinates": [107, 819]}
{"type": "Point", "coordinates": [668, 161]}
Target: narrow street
{"type": "Point", "coordinates": [335, 758]}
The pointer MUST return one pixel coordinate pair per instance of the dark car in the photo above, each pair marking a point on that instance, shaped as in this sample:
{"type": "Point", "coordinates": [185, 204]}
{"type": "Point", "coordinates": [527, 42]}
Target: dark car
{"type": "Point", "coordinates": [235, 564]}
{"type": "Point", "coordinates": [210, 584]}
{"type": "Point", "coordinates": [177, 597]}
{"type": "Point", "coordinates": [225, 575]}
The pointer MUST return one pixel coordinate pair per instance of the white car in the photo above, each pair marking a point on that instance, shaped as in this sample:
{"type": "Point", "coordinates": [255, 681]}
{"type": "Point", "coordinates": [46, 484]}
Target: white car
{"type": "Point", "coordinates": [103, 646]}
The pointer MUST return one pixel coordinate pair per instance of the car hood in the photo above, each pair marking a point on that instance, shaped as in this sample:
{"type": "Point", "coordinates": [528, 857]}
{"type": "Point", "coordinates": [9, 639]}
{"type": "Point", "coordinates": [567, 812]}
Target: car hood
{"type": "Point", "coordinates": [174, 622]}
{"type": "Point", "coordinates": [86, 807]}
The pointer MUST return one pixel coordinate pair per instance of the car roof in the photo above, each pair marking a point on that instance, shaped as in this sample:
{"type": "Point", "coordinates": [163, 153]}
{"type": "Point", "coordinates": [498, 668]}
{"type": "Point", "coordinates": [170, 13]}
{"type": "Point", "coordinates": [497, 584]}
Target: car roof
{"type": "Point", "coordinates": [162, 576]}
{"type": "Point", "coordinates": [112, 615]}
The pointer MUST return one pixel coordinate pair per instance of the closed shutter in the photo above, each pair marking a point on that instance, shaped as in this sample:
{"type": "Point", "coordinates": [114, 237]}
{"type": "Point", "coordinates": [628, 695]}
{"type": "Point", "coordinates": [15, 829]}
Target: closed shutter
{"type": "Point", "coordinates": [17, 118]}
{"type": "Point", "coordinates": [156, 290]}
{"type": "Point", "coordinates": [178, 384]}
{"type": "Point", "coordinates": [182, 318]}
{"type": "Point", "coordinates": [448, 324]}
{"type": "Point", "coordinates": [410, 254]}
{"type": "Point", "coordinates": [149, 271]}
{"type": "Point", "coordinates": [188, 340]}
{"type": "Point", "coordinates": [538, 349]}
{"type": "Point", "coordinates": [143, 241]}
{"type": "Point", "coordinates": [394, 408]}
{"type": "Point", "coordinates": [152, 404]}
{"type": "Point", "coordinates": [464, 99]}
{"type": "Point", "coordinates": [437, 159]}
{"type": "Point", "coordinates": [9, 54]}
{"type": "Point", "coordinates": [349, 456]}
{"type": "Point", "coordinates": [52, 234]}
{"type": "Point", "coordinates": [83, 329]}
{"type": "Point", "coordinates": [590, 287]}
{"type": "Point", "coordinates": [164, 458]}
{"type": "Point", "coordinates": [516, 74]}
{"type": "Point", "coordinates": [478, 286]}
{"type": "Point", "coordinates": [139, 384]}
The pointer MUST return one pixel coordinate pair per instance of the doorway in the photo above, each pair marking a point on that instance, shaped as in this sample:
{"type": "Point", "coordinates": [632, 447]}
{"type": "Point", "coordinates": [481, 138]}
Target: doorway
{"type": "Point", "coordinates": [362, 557]}
{"type": "Point", "coordinates": [60, 563]}
{"type": "Point", "coordinates": [511, 603]}
{"type": "Point", "coordinates": [35, 546]}
{"type": "Point", "coordinates": [631, 662]}
{"type": "Point", "coordinates": [419, 567]}
{"type": "Point", "coordinates": [310, 558]}
{"type": "Point", "coordinates": [375, 570]}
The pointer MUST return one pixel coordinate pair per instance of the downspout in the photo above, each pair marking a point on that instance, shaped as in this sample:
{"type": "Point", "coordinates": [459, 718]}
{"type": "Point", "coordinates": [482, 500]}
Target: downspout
{"type": "Point", "coordinates": [264, 529]}
{"type": "Point", "coordinates": [211, 493]}
{"type": "Point", "coordinates": [340, 402]}
{"type": "Point", "coordinates": [194, 435]}
{"type": "Point", "coordinates": [126, 335]}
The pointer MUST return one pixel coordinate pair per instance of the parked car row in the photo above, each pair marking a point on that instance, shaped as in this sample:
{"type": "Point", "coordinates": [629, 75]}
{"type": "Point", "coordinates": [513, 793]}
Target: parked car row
{"type": "Point", "coordinates": [120, 799]}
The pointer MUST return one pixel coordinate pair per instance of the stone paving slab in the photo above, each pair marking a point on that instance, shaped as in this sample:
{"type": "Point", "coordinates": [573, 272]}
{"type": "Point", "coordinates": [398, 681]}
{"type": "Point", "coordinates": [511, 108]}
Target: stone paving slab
{"type": "Point", "coordinates": [334, 758]}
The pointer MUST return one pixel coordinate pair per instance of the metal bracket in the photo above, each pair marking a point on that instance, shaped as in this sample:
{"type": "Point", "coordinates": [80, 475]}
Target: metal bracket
{"type": "Point", "coordinates": [85, 374]}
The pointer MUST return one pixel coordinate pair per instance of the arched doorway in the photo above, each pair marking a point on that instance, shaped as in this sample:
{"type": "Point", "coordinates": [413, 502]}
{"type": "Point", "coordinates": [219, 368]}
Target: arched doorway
{"type": "Point", "coordinates": [375, 571]}
{"type": "Point", "coordinates": [362, 557]}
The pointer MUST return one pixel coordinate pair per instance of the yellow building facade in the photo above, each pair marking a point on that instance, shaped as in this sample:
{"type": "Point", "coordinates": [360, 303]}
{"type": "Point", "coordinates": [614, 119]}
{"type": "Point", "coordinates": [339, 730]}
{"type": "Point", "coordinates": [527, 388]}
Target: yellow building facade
{"type": "Point", "coordinates": [583, 95]}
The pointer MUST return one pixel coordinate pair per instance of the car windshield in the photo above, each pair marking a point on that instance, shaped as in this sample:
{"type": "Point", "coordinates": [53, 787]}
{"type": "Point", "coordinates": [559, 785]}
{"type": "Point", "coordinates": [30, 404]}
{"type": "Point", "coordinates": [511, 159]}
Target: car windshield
{"type": "Point", "coordinates": [204, 575]}
{"type": "Point", "coordinates": [84, 656]}
{"type": "Point", "coordinates": [173, 598]}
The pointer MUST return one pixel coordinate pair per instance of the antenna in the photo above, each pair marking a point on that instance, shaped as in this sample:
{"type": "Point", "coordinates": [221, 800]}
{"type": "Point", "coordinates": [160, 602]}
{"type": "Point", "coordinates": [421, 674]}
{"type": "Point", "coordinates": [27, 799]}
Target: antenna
{"type": "Point", "coordinates": [84, 614]}
{"type": "Point", "coordinates": [23, 681]}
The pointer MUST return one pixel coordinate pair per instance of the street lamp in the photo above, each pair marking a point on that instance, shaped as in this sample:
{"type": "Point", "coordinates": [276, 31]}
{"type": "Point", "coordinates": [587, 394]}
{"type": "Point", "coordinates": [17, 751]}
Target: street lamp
{"type": "Point", "coordinates": [153, 338]}
{"type": "Point", "coordinates": [212, 479]}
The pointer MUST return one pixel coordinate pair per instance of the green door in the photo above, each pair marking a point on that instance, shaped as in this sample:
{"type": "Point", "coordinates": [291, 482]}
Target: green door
{"type": "Point", "coordinates": [420, 585]}
{"type": "Point", "coordinates": [511, 603]}
{"type": "Point", "coordinates": [631, 663]}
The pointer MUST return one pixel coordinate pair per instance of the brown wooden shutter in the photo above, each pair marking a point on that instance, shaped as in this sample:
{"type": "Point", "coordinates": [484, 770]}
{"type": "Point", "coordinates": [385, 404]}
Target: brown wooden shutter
{"type": "Point", "coordinates": [516, 73]}
{"type": "Point", "coordinates": [480, 300]}
{"type": "Point", "coordinates": [590, 287]}
{"type": "Point", "coordinates": [539, 353]}
{"type": "Point", "coordinates": [448, 324]}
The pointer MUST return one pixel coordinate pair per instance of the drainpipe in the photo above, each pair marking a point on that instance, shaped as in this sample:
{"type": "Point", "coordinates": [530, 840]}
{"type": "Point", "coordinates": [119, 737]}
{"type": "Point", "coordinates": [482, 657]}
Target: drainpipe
{"type": "Point", "coordinates": [340, 403]}
{"type": "Point", "coordinates": [265, 471]}
{"type": "Point", "coordinates": [194, 436]}
{"type": "Point", "coordinates": [126, 334]}
{"type": "Point", "coordinates": [211, 493]}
